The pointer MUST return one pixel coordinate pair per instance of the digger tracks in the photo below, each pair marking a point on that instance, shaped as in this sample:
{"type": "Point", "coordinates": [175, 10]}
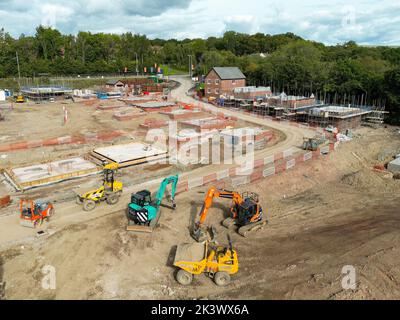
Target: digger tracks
{"type": "Point", "coordinates": [245, 230]}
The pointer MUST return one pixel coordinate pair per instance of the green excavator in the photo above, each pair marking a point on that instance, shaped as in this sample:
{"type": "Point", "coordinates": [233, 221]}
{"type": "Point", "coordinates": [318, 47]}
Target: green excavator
{"type": "Point", "coordinates": [143, 214]}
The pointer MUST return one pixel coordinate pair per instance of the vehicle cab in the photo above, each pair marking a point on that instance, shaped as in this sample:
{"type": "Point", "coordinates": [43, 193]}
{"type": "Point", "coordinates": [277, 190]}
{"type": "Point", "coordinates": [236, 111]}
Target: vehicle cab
{"type": "Point", "coordinates": [141, 198]}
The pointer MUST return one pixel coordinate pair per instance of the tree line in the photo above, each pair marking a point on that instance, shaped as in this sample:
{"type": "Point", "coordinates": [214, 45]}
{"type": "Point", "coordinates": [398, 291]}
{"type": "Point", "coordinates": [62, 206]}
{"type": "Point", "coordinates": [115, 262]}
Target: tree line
{"type": "Point", "coordinates": [344, 72]}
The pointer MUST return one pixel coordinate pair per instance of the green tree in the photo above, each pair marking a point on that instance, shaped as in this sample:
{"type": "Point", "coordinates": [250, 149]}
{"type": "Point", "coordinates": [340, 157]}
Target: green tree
{"type": "Point", "coordinates": [392, 86]}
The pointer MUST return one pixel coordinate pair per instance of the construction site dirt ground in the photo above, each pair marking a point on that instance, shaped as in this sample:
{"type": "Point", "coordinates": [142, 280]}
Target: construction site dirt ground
{"type": "Point", "coordinates": [323, 215]}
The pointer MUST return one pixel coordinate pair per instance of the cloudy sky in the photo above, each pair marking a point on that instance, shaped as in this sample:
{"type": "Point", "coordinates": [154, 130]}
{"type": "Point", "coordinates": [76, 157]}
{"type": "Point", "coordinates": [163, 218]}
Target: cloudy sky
{"type": "Point", "coordinates": [335, 21]}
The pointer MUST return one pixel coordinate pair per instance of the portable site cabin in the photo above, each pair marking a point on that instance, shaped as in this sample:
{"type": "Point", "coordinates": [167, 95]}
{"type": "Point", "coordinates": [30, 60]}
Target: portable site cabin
{"type": "Point", "coordinates": [115, 84]}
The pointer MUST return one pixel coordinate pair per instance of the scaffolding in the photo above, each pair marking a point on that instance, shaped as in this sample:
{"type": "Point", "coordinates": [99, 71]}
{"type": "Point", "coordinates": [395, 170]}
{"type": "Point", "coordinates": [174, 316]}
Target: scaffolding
{"type": "Point", "coordinates": [340, 117]}
{"type": "Point", "coordinates": [312, 110]}
{"type": "Point", "coordinates": [377, 115]}
{"type": "Point", "coordinates": [40, 94]}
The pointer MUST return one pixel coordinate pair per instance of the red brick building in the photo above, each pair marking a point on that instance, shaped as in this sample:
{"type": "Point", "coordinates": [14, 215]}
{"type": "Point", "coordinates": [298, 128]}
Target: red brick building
{"type": "Point", "coordinates": [222, 81]}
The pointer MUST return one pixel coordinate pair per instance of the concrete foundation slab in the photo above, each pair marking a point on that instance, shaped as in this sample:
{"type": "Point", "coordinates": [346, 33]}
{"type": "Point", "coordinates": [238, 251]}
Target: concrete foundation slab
{"type": "Point", "coordinates": [154, 104]}
{"type": "Point", "coordinates": [42, 174]}
{"type": "Point", "coordinates": [209, 123]}
{"type": "Point", "coordinates": [135, 100]}
{"type": "Point", "coordinates": [181, 114]}
{"type": "Point", "coordinates": [153, 124]}
{"type": "Point", "coordinates": [128, 114]}
{"type": "Point", "coordinates": [130, 154]}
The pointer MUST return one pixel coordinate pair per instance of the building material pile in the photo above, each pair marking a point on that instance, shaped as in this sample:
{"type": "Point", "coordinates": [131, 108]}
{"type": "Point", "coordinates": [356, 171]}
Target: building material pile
{"type": "Point", "coordinates": [84, 93]}
{"type": "Point", "coordinates": [5, 201]}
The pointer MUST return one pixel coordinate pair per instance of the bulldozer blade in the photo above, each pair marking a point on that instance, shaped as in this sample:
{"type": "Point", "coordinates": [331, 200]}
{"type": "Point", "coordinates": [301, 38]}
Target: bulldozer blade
{"type": "Point", "coordinates": [144, 229]}
{"type": "Point", "coordinates": [27, 223]}
{"type": "Point", "coordinates": [138, 228]}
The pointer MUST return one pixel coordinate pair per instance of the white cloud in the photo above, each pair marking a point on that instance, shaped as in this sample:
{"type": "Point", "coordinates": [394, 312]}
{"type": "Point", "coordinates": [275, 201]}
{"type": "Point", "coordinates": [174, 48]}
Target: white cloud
{"type": "Point", "coordinates": [240, 23]}
{"type": "Point", "coordinates": [53, 13]}
{"type": "Point", "coordinates": [365, 21]}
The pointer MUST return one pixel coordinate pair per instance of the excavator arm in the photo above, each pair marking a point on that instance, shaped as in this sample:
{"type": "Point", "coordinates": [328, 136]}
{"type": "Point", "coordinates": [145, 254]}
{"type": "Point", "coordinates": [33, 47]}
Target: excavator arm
{"type": "Point", "coordinates": [173, 180]}
{"type": "Point", "coordinates": [211, 194]}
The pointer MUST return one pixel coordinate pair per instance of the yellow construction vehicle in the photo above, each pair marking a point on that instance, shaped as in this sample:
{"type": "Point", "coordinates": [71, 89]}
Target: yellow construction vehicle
{"type": "Point", "coordinates": [110, 191]}
{"type": "Point", "coordinates": [19, 99]}
{"type": "Point", "coordinates": [218, 262]}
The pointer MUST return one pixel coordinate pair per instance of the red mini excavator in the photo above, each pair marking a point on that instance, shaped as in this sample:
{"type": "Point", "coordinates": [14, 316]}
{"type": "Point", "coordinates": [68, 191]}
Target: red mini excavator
{"type": "Point", "coordinates": [246, 213]}
{"type": "Point", "coordinates": [34, 212]}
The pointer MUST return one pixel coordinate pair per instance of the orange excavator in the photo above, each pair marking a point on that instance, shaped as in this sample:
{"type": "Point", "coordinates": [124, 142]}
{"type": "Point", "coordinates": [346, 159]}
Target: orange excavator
{"type": "Point", "coordinates": [246, 214]}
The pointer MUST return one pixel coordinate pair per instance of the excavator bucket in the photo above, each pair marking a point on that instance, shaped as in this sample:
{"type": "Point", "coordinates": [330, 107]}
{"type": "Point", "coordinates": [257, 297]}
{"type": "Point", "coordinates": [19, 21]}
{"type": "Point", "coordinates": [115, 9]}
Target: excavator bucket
{"type": "Point", "coordinates": [204, 234]}
{"type": "Point", "coordinates": [200, 234]}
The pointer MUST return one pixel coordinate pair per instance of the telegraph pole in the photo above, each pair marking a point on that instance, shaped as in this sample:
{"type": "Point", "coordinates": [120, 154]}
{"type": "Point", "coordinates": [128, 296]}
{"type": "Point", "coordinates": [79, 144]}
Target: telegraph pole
{"type": "Point", "coordinates": [190, 65]}
{"type": "Point", "coordinates": [19, 71]}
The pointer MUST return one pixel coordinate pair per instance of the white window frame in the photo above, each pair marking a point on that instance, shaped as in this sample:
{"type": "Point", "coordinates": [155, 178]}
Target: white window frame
{"type": "Point", "coordinates": [209, 90]}
{"type": "Point", "coordinates": [217, 91]}
{"type": "Point", "coordinates": [217, 82]}
{"type": "Point", "coordinates": [209, 81]}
